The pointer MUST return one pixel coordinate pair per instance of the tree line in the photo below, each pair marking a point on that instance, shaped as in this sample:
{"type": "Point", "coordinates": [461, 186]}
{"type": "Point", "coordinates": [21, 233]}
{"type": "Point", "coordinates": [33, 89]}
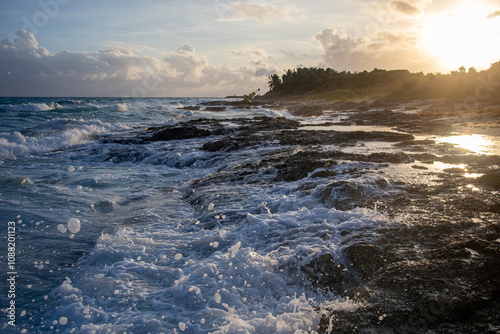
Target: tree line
{"type": "Point", "coordinates": [393, 83]}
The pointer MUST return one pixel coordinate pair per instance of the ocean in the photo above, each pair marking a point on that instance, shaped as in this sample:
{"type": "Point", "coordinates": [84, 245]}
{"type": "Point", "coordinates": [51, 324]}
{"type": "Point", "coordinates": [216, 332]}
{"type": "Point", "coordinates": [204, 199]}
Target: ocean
{"type": "Point", "coordinates": [109, 232]}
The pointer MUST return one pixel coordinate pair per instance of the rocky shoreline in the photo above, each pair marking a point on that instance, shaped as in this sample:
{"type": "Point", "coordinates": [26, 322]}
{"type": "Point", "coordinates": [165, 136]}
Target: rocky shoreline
{"type": "Point", "coordinates": [436, 269]}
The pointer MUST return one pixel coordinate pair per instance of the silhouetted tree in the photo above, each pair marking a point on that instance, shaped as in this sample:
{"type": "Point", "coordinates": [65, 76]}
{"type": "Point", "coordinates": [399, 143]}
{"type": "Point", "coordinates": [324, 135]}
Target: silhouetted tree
{"type": "Point", "coordinates": [274, 82]}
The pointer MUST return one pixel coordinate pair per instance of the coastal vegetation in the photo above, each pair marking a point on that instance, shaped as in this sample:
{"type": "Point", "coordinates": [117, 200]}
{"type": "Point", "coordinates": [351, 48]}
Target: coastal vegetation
{"type": "Point", "coordinates": [330, 84]}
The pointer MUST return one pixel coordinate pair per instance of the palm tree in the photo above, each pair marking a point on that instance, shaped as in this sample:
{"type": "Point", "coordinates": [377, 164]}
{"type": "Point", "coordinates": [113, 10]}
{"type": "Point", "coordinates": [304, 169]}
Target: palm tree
{"type": "Point", "coordinates": [274, 82]}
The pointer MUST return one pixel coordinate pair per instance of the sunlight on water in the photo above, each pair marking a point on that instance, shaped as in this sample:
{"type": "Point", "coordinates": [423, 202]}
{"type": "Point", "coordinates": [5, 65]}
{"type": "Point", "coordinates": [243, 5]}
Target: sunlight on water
{"type": "Point", "coordinates": [478, 144]}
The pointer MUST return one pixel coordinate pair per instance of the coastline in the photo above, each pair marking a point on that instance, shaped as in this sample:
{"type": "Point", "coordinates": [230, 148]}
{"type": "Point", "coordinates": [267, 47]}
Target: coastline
{"type": "Point", "coordinates": [369, 218]}
{"type": "Point", "coordinates": [438, 266]}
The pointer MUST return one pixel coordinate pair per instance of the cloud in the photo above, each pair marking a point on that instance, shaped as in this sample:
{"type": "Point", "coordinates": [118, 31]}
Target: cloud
{"type": "Point", "coordinates": [28, 69]}
{"type": "Point", "coordinates": [404, 7]}
{"type": "Point", "coordinates": [381, 49]}
{"type": "Point", "coordinates": [132, 47]}
{"type": "Point", "coordinates": [262, 12]}
{"type": "Point", "coordinates": [254, 54]}
{"type": "Point", "coordinates": [493, 15]}
{"type": "Point", "coordinates": [398, 10]}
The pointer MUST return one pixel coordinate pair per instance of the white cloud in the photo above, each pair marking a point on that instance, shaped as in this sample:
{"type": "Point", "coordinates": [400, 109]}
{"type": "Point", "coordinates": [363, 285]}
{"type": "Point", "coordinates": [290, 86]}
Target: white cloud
{"type": "Point", "coordinates": [393, 39]}
{"type": "Point", "coordinates": [262, 12]}
{"type": "Point", "coordinates": [408, 11]}
{"type": "Point", "coordinates": [381, 49]}
{"type": "Point", "coordinates": [30, 70]}
{"type": "Point", "coordinates": [254, 54]}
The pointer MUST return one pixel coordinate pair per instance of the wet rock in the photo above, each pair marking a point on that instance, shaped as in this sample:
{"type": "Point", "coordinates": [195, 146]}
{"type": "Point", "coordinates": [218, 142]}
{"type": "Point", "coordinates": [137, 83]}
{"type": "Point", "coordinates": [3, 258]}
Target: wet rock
{"type": "Point", "coordinates": [491, 180]}
{"type": "Point", "coordinates": [214, 103]}
{"type": "Point", "coordinates": [419, 167]}
{"type": "Point", "coordinates": [324, 173]}
{"type": "Point", "coordinates": [397, 158]}
{"type": "Point", "coordinates": [366, 259]}
{"type": "Point", "coordinates": [193, 108]}
{"type": "Point", "coordinates": [342, 106]}
{"type": "Point", "coordinates": [226, 144]}
{"type": "Point", "coordinates": [384, 103]}
{"type": "Point", "coordinates": [454, 170]}
{"type": "Point", "coordinates": [322, 137]}
{"type": "Point", "coordinates": [307, 111]}
{"type": "Point", "coordinates": [299, 165]}
{"type": "Point", "coordinates": [411, 108]}
{"type": "Point", "coordinates": [178, 133]}
{"type": "Point", "coordinates": [344, 195]}
{"type": "Point", "coordinates": [410, 143]}
{"type": "Point", "coordinates": [216, 109]}
{"type": "Point", "coordinates": [268, 124]}
{"type": "Point", "coordinates": [329, 273]}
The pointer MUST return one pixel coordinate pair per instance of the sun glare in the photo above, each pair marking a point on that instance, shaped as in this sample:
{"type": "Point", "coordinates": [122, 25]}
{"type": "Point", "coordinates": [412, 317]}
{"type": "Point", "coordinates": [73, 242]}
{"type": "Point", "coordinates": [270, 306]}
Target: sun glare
{"type": "Point", "coordinates": [464, 36]}
{"type": "Point", "coordinates": [478, 144]}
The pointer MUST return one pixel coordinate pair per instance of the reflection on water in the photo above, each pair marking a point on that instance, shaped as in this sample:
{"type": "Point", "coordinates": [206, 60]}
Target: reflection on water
{"type": "Point", "coordinates": [478, 144]}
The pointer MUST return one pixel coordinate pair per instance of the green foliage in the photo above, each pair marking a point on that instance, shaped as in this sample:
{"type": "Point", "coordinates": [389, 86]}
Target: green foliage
{"type": "Point", "coordinates": [330, 84]}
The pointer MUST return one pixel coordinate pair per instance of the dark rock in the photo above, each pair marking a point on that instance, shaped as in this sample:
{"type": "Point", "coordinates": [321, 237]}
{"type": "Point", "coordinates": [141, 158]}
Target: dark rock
{"type": "Point", "coordinates": [344, 195]}
{"type": "Point", "coordinates": [491, 180]}
{"type": "Point", "coordinates": [366, 259]}
{"type": "Point", "coordinates": [299, 165]}
{"type": "Point", "coordinates": [419, 167]}
{"type": "Point", "coordinates": [341, 106]}
{"type": "Point", "coordinates": [324, 173]}
{"type": "Point", "coordinates": [323, 137]}
{"type": "Point", "coordinates": [437, 128]}
{"type": "Point", "coordinates": [192, 108]}
{"type": "Point", "coordinates": [396, 158]}
{"type": "Point", "coordinates": [415, 143]}
{"type": "Point", "coordinates": [178, 133]}
{"type": "Point", "coordinates": [221, 145]}
{"type": "Point", "coordinates": [269, 124]}
{"type": "Point", "coordinates": [411, 108]}
{"type": "Point", "coordinates": [329, 273]}
{"type": "Point", "coordinates": [384, 103]}
{"type": "Point", "coordinates": [214, 103]}
{"type": "Point", "coordinates": [215, 108]}
{"type": "Point", "coordinates": [362, 108]}
{"type": "Point", "coordinates": [307, 111]}
{"type": "Point", "coordinates": [454, 170]}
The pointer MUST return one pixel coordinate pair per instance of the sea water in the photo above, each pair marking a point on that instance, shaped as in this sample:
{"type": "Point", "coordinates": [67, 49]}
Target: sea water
{"type": "Point", "coordinates": [106, 242]}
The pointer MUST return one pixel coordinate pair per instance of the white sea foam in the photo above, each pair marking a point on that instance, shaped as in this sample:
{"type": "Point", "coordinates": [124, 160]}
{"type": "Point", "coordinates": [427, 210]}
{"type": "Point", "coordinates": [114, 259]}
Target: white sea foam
{"type": "Point", "coordinates": [54, 137]}
{"type": "Point", "coordinates": [248, 285]}
{"type": "Point", "coordinates": [31, 106]}
{"type": "Point", "coordinates": [153, 261]}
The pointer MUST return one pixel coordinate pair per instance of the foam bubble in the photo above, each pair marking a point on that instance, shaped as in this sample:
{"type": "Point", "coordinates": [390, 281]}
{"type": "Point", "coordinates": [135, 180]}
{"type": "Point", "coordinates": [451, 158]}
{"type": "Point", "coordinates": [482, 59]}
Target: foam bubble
{"type": "Point", "coordinates": [182, 326]}
{"type": "Point", "coordinates": [74, 225]}
{"type": "Point", "coordinates": [61, 228]}
{"type": "Point", "coordinates": [218, 298]}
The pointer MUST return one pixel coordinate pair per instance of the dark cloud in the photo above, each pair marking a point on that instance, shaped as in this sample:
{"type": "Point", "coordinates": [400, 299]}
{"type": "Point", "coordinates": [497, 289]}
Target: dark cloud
{"type": "Point", "coordinates": [31, 70]}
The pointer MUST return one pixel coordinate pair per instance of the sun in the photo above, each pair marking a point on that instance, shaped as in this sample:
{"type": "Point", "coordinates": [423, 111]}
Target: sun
{"type": "Point", "coordinates": [464, 36]}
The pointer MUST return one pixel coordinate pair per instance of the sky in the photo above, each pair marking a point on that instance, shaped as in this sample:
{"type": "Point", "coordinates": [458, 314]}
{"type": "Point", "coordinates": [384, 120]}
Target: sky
{"type": "Point", "coordinates": [130, 48]}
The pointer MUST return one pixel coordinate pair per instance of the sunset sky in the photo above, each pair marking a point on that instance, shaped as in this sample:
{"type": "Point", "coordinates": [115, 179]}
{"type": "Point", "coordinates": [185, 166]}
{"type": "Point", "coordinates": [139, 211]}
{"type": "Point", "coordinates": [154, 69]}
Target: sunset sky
{"type": "Point", "coordinates": [223, 47]}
